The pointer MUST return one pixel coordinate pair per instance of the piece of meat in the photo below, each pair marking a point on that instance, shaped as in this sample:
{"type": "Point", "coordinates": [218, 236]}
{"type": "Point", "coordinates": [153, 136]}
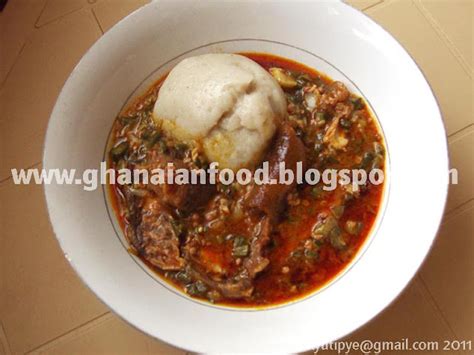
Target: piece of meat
{"type": "Point", "coordinates": [186, 197]}
{"type": "Point", "coordinates": [342, 110]}
{"type": "Point", "coordinates": [238, 287]}
{"type": "Point", "coordinates": [158, 242]}
{"type": "Point", "coordinates": [334, 93]}
{"type": "Point", "coordinates": [214, 263]}
{"type": "Point", "coordinates": [133, 217]}
{"type": "Point", "coordinates": [256, 263]}
{"type": "Point", "coordinates": [267, 201]}
{"type": "Point", "coordinates": [270, 198]}
{"type": "Point", "coordinates": [334, 137]}
{"type": "Point", "coordinates": [218, 274]}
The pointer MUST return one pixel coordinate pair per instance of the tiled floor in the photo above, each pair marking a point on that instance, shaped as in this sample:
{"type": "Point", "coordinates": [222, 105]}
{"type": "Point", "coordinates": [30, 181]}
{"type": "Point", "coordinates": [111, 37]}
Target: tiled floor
{"type": "Point", "coordinates": [43, 305]}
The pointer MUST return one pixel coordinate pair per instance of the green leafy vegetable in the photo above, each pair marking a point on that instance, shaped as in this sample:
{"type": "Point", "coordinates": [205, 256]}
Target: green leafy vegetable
{"type": "Point", "coordinates": [353, 227]}
{"type": "Point", "coordinates": [183, 277]}
{"type": "Point", "coordinates": [336, 238]}
{"type": "Point", "coordinates": [357, 102]}
{"type": "Point", "coordinates": [240, 246]}
{"type": "Point", "coordinates": [197, 288]}
{"type": "Point", "coordinates": [119, 151]}
{"type": "Point", "coordinates": [337, 211]}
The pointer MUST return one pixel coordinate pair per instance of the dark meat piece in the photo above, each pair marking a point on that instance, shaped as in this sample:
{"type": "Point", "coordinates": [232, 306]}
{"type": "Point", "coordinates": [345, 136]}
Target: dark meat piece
{"type": "Point", "coordinates": [241, 287]}
{"type": "Point", "coordinates": [157, 240]}
{"type": "Point", "coordinates": [270, 198]}
{"type": "Point", "coordinates": [134, 216]}
{"type": "Point", "coordinates": [186, 197]}
{"type": "Point", "coordinates": [237, 287]}
{"type": "Point", "coordinates": [256, 262]}
{"type": "Point", "coordinates": [213, 268]}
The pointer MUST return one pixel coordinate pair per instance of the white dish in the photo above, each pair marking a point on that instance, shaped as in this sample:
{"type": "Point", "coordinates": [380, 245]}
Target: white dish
{"type": "Point", "coordinates": [328, 36]}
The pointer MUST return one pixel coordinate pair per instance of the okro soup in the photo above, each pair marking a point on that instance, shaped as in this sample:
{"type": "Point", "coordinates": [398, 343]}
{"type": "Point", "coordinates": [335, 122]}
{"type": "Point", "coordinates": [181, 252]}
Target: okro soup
{"type": "Point", "coordinates": [252, 245]}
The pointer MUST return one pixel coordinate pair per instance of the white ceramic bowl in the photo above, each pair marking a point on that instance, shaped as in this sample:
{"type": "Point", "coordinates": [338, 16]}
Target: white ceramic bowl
{"type": "Point", "coordinates": [329, 36]}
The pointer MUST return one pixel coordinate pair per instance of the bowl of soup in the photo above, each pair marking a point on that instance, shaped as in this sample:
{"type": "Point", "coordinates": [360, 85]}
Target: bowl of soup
{"type": "Point", "coordinates": [229, 262]}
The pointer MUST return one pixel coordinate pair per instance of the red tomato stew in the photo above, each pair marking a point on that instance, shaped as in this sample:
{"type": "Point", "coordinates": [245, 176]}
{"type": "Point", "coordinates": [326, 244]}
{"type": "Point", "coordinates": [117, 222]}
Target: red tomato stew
{"type": "Point", "coordinates": [253, 245]}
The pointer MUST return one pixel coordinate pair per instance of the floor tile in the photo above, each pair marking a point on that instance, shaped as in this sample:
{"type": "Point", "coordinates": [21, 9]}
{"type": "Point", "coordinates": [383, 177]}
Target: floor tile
{"type": "Point", "coordinates": [455, 19]}
{"type": "Point", "coordinates": [106, 335]}
{"type": "Point", "coordinates": [55, 9]}
{"type": "Point", "coordinates": [109, 12]}
{"type": "Point", "coordinates": [42, 297]}
{"type": "Point", "coordinates": [33, 85]}
{"type": "Point", "coordinates": [4, 347]}
{"type": "Point", "coordinates": [449, 272]}
{"type": "Point", "coordinates": [16, 22]}
{"type": "Point", "coordinates": [461, 148]}
{"type": "Point", "coordinates": [451, 84]}
{"type": "Point", "coordinates": [363, 4]}
{"type": "Point", "coordinates": [412, 315]}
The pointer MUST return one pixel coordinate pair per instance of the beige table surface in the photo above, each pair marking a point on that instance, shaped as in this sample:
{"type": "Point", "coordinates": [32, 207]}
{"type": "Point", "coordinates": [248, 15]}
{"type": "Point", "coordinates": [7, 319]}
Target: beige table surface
{"type": "Point", "coordinates": [44, 307]}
